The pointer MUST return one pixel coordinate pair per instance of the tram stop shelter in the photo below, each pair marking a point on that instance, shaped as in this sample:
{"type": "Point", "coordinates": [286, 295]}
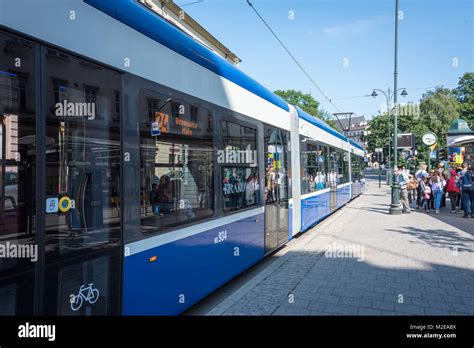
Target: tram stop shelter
{"type": "Point", "coordinates": [460, 142]}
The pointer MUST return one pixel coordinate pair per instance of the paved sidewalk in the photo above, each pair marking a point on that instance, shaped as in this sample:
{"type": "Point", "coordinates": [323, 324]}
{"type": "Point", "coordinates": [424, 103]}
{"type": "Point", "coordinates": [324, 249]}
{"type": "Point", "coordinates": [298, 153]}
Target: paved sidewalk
{"type": "Point", "coordinates": [412, 264]}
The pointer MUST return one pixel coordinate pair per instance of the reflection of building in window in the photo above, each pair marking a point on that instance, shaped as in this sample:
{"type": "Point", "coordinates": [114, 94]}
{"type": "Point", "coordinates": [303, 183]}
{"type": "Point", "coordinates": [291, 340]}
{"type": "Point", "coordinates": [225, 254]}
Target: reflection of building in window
{"type": "Point", "coordinates": [194, 113]}
{"type": "Point", "coordinates": [240, 180]}
{"type": "Point", "coordinates": [176, 167]}
{"type": "Point", "coordinates": [10, 122]}
{"type": "Point", "coordinates": [175, 108]}
{"type": "Point", "coordinates": [117, 104]}
{"type": "Point", "coordinates": [358, 165]}
{"type": "Point", "coordinates": [91, 94]}
{"type": "Point", "coordinates": [13, 91]}
{"type": "Point", "coordinates": [152, 108]}
{"type": "Point", "coordinates": [59, 91]}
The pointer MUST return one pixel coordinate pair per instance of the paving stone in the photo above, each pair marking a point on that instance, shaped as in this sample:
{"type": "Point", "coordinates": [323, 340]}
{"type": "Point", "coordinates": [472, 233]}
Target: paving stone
{"type": "Point", "coordinates": [412, 257]}
{"type": "Point", "coordinates": [388, 306]}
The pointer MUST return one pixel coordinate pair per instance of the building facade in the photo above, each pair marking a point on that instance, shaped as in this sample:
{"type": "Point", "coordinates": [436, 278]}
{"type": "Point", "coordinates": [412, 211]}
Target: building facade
{"type": "Point", "coordinates": [353, 128]}
{"type": "Point", "coordinates": [183, 21]}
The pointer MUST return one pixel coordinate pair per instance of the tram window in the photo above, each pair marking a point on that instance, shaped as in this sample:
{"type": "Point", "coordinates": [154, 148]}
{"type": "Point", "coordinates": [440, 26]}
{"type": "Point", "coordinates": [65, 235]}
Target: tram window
{"type": "Point", "coordinates": [323, 165]}
{"type": "Point", "coordinates": [345, 166]}
{"type": "Point", "coordinates": [341, 166]}
{"type": "Point", "coordinates": [176, 163]}
{"type": "Point", "coordinates": [82, 156]}
{"type": "Point", "coordinates": [303, 175]}
{"type": "Point", "coordinates": [276, 166]}
{"type": "Point", "coordinates": [311, 167]}
{"type": "Point", "coordinates": [357, 168]}
{"type": "Point", "coordinates": [240, 180]}
{"type": "Point", "coordinates": [17, 172]}
{"type": "Point", "coordinates": [334, 173]}
{"type": "Point", "coordinates": [315, 167]}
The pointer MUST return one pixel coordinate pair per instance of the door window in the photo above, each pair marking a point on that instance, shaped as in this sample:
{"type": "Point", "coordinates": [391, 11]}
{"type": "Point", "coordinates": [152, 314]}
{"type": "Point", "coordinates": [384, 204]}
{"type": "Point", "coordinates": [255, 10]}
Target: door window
{"type": "Point", "coordinates": [17, 175]}
{"type": "Point", "coordinates": [82, 156]}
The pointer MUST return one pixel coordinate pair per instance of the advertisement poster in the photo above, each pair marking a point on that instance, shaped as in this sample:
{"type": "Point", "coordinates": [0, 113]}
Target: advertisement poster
{"type": "Point", "coordinates": [456, 155]}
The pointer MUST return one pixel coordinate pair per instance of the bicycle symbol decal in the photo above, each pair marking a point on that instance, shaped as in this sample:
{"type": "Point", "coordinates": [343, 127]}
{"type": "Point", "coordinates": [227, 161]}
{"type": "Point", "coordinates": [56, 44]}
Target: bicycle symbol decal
{"type": "Point", "coordinates": [87, 294]}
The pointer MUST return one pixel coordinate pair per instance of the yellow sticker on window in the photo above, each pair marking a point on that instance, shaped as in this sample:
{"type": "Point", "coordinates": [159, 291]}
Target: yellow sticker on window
{"type": "Point", "coordinates": [64, 204]}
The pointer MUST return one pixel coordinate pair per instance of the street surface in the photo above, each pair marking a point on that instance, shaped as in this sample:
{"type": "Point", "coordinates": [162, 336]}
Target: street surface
{"type": "Point", "coordinates": [411, 264]}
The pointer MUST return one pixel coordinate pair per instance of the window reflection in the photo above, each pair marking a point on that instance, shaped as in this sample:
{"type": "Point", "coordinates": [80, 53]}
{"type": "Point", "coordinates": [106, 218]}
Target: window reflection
{"type": "Point", "coordinates": [357, 170]}
{"type": "Point", "coordinates": [322, 166]}
{"type": "Point", "coordinates": [240, 187]}
{"type": "Point", "coordinates": [17, 149]}
{"type": "Point", "coordinates": [82, 156]}
{"type": "Point", "coordinates": [316, 165]}
{"type": "Point", "coordinates": [277, 156]}
{"type": "Point", "coordinates": [17, 172]}
{"type": "Point", "coordinates": [176, 163]}
{"type": "Point", "coordinates": [240, 180]}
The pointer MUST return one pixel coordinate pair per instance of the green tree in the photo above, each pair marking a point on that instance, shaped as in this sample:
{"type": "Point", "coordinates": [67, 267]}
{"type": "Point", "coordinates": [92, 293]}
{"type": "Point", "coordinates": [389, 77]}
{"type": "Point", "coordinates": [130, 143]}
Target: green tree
{"type": "Point", "coordinates": [414, 124]}
{"type": "Point", "coordinates": [465, 96]}
{"type": "Point", "coordinates": [438, 109]}
{"type": "Point", "coordinates": [305, 101]}
{"type": "Point", "coordinates": [327, 117]}
{"type": "Point", "coordinates": [377, 134]}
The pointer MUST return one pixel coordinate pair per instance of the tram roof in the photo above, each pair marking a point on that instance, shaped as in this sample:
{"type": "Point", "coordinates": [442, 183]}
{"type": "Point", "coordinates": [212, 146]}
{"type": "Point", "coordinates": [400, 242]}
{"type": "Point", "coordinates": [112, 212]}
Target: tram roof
{"type": "Point", "coordinates": [140, 18]}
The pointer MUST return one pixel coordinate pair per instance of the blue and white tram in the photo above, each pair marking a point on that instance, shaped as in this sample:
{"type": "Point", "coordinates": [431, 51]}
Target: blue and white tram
{"type": "Point", "coordinates": [144, 170]}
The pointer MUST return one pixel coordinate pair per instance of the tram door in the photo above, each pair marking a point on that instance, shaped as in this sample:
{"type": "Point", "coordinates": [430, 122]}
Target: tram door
{"type": "Point", "coordinates": [82, 226]}
{"type": "Point", "coordinates": [276, 187]}
{"type": "Point", "coordinates": [17, 176]}
{"type": "Point", "coordinates": [59, 156]}
{"type": "Point", "coordinates": [333, 177]}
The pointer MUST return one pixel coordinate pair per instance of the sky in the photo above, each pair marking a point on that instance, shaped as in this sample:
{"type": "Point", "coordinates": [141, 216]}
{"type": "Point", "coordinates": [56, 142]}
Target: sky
{"type": "Point", "coordinates": [346, 46]}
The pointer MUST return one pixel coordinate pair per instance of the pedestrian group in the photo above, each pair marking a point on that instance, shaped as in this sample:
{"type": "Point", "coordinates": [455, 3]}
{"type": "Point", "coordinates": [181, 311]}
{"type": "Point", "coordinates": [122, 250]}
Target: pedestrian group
{"type": "Point", "coordinates": [430, 189]}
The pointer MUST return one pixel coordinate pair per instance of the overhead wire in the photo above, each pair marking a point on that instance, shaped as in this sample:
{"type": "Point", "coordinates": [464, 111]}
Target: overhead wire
{"type": "Point", "coordinates": [293, 57]}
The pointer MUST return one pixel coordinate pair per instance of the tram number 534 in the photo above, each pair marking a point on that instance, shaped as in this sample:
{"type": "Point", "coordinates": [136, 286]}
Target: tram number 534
{"type": "Point", "coordinates": [222, 236]}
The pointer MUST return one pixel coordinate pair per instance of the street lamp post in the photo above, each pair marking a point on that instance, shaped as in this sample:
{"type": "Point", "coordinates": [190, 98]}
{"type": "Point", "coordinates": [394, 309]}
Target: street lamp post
{"type": "Point", "coordinates": [395, 208]}
{"type": "Point", "coordinates": [395, 204]}
{"type": "Point", "coordinates": [388, 96]}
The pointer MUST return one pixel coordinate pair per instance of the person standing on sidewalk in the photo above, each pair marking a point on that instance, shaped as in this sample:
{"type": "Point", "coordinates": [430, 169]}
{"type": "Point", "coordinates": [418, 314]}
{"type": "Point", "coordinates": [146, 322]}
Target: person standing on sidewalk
{"type": "Point", "coordinates": [412, 188]}
{"type": "Point", "coordinates": [426, 189]}
{"type": "Point", "coordinates": [437, 187]}
{"type": "Point", "coordinates": [403, 181]}
{"type": "Point", "coordinates": [453, 190]}
{"type": "Point", "coordinates": [420, 177]}
{"type": "Point", "coordinates": [467, 188]}
{"type": "Point", "coordinates": [443, 174]}
{"type": "Point", "coordinates": [432, 196]}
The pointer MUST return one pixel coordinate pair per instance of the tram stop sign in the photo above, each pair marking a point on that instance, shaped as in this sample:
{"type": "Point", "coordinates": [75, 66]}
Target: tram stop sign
{"type": "Point", "coordinates": [429, 139]}
{"type": "Point", "coordinates": [155, 129]}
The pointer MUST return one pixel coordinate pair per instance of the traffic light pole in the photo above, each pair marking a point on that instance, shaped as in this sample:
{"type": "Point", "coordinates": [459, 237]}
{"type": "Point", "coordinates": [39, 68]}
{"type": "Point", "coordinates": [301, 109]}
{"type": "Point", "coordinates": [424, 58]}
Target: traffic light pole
{"type": "Point", "coordinates": [380, 176]}
{"type": "Point", "coordinates": [429, 158]}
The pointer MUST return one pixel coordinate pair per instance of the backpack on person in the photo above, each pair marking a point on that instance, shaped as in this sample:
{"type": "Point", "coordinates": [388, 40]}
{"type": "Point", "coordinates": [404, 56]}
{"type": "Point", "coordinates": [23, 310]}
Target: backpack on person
{"type": "Point", "coordinates": [465, 183]}
{"type": "Point", "coordinates": [412, 183]}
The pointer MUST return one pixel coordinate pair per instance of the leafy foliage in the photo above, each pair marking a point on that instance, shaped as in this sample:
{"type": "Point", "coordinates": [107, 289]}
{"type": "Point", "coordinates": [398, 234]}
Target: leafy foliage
{"type": "Point", "coordinates": [465, 96]}
{"type": "Point", "coordinates": [307, 103]}
{"type": "Point", "coordinates": [438, 109]}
